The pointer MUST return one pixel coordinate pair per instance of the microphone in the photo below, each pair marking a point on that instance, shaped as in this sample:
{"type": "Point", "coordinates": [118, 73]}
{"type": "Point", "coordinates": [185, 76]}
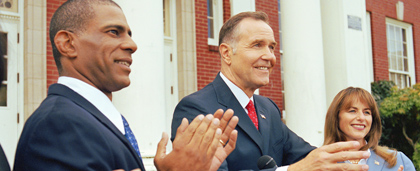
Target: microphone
{"type": "Point", "coordinates": [266, 162]}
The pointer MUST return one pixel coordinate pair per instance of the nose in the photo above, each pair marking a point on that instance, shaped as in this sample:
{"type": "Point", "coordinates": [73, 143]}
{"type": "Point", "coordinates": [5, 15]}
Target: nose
{"type": "Point", "coordinates": [360, 115]}
{"type": "Point", "coordinates": [269, 56]}
{"type": "Point", "coordinates": [129, 45]}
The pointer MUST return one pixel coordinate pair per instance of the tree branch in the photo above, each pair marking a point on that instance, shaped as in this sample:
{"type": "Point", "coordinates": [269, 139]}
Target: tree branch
{"type": "Point", "coordinates": [410, 141]}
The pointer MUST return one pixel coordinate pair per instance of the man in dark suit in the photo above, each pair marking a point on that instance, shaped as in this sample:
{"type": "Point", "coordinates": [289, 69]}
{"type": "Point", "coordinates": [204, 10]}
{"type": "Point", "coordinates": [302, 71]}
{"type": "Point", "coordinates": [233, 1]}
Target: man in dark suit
{"type": "Point", "coordinates": [246, 47]}
{"type": "Point", "coordinates": [77, 127]}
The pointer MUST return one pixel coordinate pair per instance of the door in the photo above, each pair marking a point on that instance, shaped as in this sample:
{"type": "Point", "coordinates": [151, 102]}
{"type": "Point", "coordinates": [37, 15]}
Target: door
{"type": "Point", "coordinates": [9, 88]}
{"type": "Point", "coordinates": [170, 58]}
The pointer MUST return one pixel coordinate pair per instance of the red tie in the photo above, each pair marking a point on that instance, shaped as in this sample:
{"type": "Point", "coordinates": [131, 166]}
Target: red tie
{"type": "Point", "coordinates": [251, 113]}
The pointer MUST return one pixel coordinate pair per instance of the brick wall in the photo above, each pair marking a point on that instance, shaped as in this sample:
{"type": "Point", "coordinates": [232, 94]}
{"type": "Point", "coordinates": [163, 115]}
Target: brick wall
{"type": "Point", "coordinates": [208, 60]}
{"type": "Point", "coordinates": [380, 10]}
{"type": "Point", "coordinates": [52, 73]}
{"type": "Point", "coordinates": [273, 89]}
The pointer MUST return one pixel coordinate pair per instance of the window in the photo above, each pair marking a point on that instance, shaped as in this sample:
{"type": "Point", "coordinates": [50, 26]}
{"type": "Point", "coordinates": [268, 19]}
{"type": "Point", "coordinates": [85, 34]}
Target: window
{"type": "Point", "coordinates": [214, 20]}
{"type": "Point", "coordinates": [400, 53]}
{"type": "Point", "coordinates": [166, 19]}
{"type": "Point", "coordinates": [3, 84]}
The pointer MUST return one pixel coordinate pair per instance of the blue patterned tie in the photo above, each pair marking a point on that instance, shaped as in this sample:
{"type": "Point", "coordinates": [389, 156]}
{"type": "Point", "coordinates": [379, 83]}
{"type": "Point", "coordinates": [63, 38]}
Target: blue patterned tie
{"type": "Point", "coordinates": [130, 136]}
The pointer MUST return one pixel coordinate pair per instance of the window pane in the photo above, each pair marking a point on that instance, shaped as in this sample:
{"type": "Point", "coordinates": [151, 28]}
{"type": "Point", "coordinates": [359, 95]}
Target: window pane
{"type": "Point", "coordinates": [166, 18]}
{"type": "Point", "coordinates": [389, 60]}
{"type": "Point", "coordinates": [399, 49]}
{"type": "Point", "coordinates": [391, 33]}
{"type": "Point", "coordinates": [3, 38]}
{"type": "Point", "coordinates": [391, 47]}
{"type": "Point", "coordinates": [398, 37]}
{"type": "Point", "coordinates": [5, 69]}
{"type": "Point", "coordinates": [406, 64]}
{"type": "Point", "coordinates": [210, 8]}
{"type": "Point", "coordinates": [393, 62]}
{"type": "Point", "coordinates": [400, 63]}
{"type": "Point", "coordinates": [210, 28]}
{"type": "Point", "coordinates": [403, 81]}
{"type": "Point", "coordinates": [403, 35]}
{"type": "Point", "coordinates": [3, 95]}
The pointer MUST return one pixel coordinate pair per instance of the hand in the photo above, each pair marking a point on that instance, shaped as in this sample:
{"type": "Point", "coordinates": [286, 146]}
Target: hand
{"type": "Point", "coordinates": [401, 168]}
{"type": "Point", "coordinates": [227, 124]}
{"type": "Point", "coordinates": [194, 146]}
{"type": "Point", "coordinates": [327, 156]}
{"type": "Point", "coordinates": [138, 169]}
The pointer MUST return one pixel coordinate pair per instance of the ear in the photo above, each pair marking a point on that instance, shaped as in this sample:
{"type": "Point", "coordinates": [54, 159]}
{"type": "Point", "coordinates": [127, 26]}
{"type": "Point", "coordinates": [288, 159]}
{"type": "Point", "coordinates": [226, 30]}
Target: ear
{"type": "Point", "coordinates": [225, 53]}
{"type": "Point", "coordinates": [64, 41]}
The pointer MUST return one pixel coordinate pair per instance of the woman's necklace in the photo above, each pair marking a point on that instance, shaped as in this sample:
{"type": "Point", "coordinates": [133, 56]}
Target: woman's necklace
{"type": "Point", "coordinates": [354, 161]}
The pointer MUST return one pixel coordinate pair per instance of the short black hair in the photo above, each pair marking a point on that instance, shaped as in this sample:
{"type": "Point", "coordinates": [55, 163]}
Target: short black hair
{"type": "Point", "coordinates": [73, 16]}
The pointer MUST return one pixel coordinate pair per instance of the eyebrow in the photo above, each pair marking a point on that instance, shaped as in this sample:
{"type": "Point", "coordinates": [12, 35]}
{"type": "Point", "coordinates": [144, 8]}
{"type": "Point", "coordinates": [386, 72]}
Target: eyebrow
{"type": "Point", "coordinates": [357, 108]}
{"type": "Point", "coordinates": [274, 43]}
{"type": "Point", "coordinates": [119, 28]}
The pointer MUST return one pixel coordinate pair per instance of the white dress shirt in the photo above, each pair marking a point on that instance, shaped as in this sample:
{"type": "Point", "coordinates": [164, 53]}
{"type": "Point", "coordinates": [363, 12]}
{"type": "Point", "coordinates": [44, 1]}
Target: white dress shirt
{"type": "Point", "coordinates": [96, 97]}
{"type": "Point", "coordinates": [243, 100]}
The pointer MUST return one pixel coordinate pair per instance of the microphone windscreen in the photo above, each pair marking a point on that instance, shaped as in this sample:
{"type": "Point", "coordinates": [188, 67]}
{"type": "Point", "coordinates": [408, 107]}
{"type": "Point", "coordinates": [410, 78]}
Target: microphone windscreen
{"type": "Point", "coordinates": [266, 162]}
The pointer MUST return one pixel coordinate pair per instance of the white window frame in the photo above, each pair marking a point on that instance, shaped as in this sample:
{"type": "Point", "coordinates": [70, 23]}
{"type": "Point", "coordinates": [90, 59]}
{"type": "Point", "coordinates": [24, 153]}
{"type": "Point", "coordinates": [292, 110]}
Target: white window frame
{"type": "Point", "coordinates": [217, 22]}
{"type": "Point", "coordinates": [410, 52]}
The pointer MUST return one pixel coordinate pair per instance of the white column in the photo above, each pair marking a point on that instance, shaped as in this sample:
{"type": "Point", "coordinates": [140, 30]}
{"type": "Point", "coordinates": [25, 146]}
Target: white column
{"type": "Point", "coordinates": [346, 46]}
{"type": "Point", "coordinates": [143, 102]}
{"type": "Point", "coordinates": [304, 69]}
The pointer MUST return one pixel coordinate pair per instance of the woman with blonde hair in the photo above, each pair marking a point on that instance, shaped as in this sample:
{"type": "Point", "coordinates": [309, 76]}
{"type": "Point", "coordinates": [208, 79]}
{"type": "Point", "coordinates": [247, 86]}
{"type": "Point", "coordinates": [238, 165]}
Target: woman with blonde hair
{"type": "Point", "coordinates": [353, 116]}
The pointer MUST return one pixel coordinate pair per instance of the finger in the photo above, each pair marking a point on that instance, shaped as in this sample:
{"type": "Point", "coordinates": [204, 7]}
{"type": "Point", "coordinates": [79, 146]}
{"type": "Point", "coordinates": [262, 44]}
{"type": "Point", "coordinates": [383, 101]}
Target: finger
{"type": "Point", "coordinates": [214, 144]}
{"type": "Point", "coordinates": [341, 146]}
{"type": "Point", "coordinates": [232, 142]}
{"type": "Point", "coordinates": [185, 131]}
{"type": "Point", "coordinates": [229, 128]}
{"type": "Point", "coordinates": [347, 166]}
{"type": "Point", "coordinates": [200, 132]}
{"type": "Point", "coordinates": [179, 140]}
{"type": "Point", "coordinates": [161, 148]}
{"type": "Point", "coordinates": [348, 155]}
{"type": "Point", "coordinates": [401, 168]}
{"type": "Point", "coordinates": [209, 135]}
{"type": "Point", "coordinates": [218, 114]}
{"type": "Point", "coordinates": [225, 119]}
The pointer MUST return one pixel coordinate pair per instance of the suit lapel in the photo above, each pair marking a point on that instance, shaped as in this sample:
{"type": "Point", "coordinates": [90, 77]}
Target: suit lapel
{"type": "Point", "coordinates": [263, 122]}
{"type": "Point", "coordinates": [226, 98]}
{"type": "Point", "coordinates": [79, 100]}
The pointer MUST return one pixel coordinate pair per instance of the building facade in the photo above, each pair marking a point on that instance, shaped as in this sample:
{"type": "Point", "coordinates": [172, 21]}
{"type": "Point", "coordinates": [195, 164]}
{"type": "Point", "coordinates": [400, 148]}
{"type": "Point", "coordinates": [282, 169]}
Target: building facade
{"type": "Point", "coordinates": [324, 46]}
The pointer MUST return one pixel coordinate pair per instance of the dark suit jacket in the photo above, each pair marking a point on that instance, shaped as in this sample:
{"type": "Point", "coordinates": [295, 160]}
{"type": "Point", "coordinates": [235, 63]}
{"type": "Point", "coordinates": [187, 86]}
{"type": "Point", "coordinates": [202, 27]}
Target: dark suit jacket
{"type": "Point", "coordinates": [67, 132]}
{"type": "Point", "coordinates": [375, 162]}
{"type": "Point", "coordinates": [4, 164]}
{"type": "Point", "coordinates": [273, 138]}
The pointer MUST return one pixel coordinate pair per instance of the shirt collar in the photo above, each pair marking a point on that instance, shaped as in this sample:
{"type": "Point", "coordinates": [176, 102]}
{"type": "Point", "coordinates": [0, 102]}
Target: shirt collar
{"type": "Point", "coordinates": [96, 97]}
{"type": "Point", "coordinates": [237, 92]}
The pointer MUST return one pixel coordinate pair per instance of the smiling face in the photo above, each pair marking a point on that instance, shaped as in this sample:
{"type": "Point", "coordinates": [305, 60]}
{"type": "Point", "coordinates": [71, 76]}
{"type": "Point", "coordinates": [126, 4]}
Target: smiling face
{"type": "Point", "coordinates": [250, 62]}
{"type": "Point", "coordinates": [104, 50]}
{"type": "Point", "coordinates": [355, 122]}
